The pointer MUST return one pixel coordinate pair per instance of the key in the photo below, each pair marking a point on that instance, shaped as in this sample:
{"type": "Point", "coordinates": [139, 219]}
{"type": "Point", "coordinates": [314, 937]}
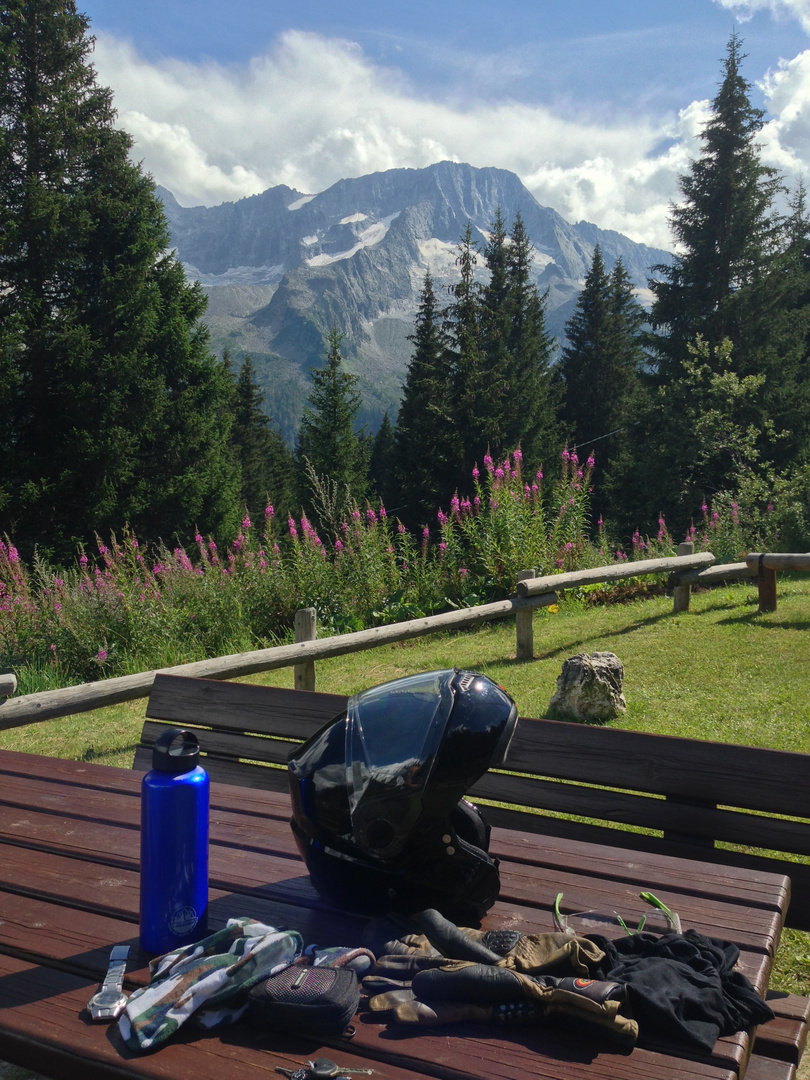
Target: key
{"type": "Point", "coordinates": [322, 1069]}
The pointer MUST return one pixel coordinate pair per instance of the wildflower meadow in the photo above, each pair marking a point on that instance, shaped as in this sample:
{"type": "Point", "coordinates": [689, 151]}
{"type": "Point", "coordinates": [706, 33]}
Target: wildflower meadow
{"type": "Point", "coordinates": [129, 606]}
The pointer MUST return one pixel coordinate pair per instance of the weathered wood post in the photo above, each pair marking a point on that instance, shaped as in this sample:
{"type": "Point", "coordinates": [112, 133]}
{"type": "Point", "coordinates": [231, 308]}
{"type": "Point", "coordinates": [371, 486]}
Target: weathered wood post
{"type": "Point", "coordinates": [524, 627]}
{"type": "Point", "coordinates": [681, 594]}
{"type": "Point", "coordinates": [766, 586]}
{"type": "Point", "coordinates": [306, 629]}
{"type": "Point", "coordinates": [8, 686]}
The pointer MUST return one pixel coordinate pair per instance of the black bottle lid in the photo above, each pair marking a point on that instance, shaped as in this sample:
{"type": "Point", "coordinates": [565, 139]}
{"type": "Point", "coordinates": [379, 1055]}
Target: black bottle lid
{"type": "Point", "coordinates": [176, 751]}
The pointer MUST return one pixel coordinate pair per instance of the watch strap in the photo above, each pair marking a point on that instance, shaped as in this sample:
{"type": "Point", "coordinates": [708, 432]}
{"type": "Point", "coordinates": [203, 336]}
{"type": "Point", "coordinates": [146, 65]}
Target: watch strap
{"type": "Point", "coordinates": [114, 979]}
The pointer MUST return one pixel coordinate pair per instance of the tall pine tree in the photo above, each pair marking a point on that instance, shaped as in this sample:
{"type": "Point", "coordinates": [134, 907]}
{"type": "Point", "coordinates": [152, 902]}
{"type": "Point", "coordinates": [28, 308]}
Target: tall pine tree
{"type": "Point", "coordinates": [599, 370]}
{"type": "Point", "coordinates": [326, 437]}
{"type": "Point", "coordinates": [114, 410]}
{"type": "Point", "coordinates": [726, 231]}
{"type": "Point", "coordinates": [266, 461]}
{"type": "Point", "coordinates": [425, 441]}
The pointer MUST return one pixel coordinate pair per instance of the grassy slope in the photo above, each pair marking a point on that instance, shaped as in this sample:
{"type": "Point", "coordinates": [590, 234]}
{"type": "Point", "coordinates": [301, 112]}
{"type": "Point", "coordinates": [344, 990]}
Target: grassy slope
{"type": "Point", "coordinates": [720, 671]}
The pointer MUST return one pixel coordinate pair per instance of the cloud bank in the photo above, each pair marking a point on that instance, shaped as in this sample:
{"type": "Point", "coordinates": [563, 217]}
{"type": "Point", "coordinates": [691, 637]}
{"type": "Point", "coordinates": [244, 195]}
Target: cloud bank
{"type": "Point", "coordinates": [314, 110]}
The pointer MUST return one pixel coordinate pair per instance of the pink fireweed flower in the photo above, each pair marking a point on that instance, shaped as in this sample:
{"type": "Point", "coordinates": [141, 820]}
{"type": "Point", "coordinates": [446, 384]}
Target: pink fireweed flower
{"type": "Point", "coordinates": [591, 461]}
{"type": "Point", "coordinates": [338, 546]}
{"type": "Point", "coordinates": [269, 511]}
{"type": "Point", "coordinates": [291, 526]}
{"type": "Point", "coordinates": [475, 473]}
{"type": "Point", "coordinates": [517, 454]}
{"type": "Point", "coordinates": [53, 648]}
{"type": "Point", "coordinates": [198, 538]}
{"type": "Point", "coordinates": [425, 533]}
{"type": "Point", "coordinates": [356, 515]}
{"type": "Point", "coordinates": [488, 462]}
{"type": "Point", "coordinates": [566, 456]}
{"type": "Point", "coordinates": [569, 546]}
{"type": "Point", "coordinates": [499, 473]}
{"type": "Point", "coordinates": [133, 543]}
{"type": "Point", "coordinates": [705, 509]}
{"type": "Point", "coordinates": [83, 561]}
{"type": "Point", "coordinates": [400, 528]}
{"type": "Point", "coordinates": [539, 476]}
{"type": "Point", "coordinates": [493, 504]}
{"type": "Point", "coordinates": [463, 571]}
{"type": "Point", "coordinates": [442, 546]}
{"type": "Point", "coordinates": [574, 458]}
{"type": "Point", "coordinates": [246, 522]}
{"type": "Point", "coordinates": [535, 489]}
{"type": "Point", "coordinates": [371, 516]}
{"type": "Point", "coordinates": [455, 505]}
{"type": "Point", "coordinates": [442, 517]}
{"type": "Point", "coordinates": [102, 549]}
{"type": "Point", "coordinates": [477, 502]}
{"type": "Point", "coordinates": [383, 514]}
{"type": "Point", "coordinates": [600, 523]}
{"type": "Point", "coordinates": [770, 508]}
{"type": "Point", "coordinates": [101, 655]}
{"type": "Point", "coordinates": [57, 606]}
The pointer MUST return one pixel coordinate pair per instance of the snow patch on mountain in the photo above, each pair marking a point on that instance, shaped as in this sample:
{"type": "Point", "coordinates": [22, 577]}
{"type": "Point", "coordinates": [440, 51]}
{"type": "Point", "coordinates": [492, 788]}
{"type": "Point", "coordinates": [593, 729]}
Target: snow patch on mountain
{"type": "Point", "coordinates": [300, 202]}
{"type": "Point", "coordinates": [352, 218]}
{"type": "Point", "coordinates": [369, 237]}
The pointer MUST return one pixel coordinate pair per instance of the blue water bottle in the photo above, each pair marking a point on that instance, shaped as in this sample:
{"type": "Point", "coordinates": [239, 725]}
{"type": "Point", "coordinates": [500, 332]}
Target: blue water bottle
{"type": "Point", "coordinates": [174, 845]}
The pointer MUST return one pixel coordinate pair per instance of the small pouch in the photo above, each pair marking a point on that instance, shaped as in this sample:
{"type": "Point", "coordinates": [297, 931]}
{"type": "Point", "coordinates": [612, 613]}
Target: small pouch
{"type": "Point", "coordinates": [312, 1000]}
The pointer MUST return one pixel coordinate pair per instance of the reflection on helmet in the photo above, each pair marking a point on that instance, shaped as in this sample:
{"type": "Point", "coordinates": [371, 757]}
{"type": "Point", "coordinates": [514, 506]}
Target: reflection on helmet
{"type": "Point", "coordinates": [377, 796]}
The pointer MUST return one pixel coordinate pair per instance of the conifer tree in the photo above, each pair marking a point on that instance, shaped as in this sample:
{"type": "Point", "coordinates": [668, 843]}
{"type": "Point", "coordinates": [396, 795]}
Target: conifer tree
{"type": "Point", "coordinates": [726, 231]}
{"type": "Point", "coordinates": [470, 390]}
{"type": "Point", "coordinates": [326, 436]}
{"type": "Point", "coordinates": [266, 462]}
{"type": "Point", "coordinates": [531, 418]}
{"type": "Point", "coordinates": [599, 370]}
{"type": "Point", "coordinates": [114, 410]}
{"type": "Point", "coordinates": [425, 441]}
{"type": "Point", "coordinates": [381, 473]}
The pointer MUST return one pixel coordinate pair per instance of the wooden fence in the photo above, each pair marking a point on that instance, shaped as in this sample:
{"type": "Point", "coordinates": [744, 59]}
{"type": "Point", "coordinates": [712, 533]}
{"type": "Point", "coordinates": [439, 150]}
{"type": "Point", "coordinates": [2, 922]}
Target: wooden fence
{"type": "Point", "coordinates": [685, 569]}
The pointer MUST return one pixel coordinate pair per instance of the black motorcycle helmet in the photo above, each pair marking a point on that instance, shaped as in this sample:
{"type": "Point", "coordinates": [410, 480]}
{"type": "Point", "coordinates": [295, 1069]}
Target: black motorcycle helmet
{"type": "Point", "coordinates": [377, 796]}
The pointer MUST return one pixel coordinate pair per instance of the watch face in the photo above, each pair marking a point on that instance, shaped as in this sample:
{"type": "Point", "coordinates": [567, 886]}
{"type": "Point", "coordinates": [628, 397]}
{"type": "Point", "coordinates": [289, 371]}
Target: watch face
{"type": "Point", "coordinates": [107, 999]}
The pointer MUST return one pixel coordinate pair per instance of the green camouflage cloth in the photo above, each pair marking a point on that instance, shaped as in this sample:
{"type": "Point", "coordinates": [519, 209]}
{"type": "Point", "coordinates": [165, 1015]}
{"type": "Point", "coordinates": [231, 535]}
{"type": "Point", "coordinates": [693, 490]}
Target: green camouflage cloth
{"type": "Point", "coordinates": [209, 980]}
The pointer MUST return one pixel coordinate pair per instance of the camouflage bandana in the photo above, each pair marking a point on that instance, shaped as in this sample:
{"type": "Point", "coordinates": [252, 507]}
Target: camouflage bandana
{"type": "Point", "coordinates": [209, 979]}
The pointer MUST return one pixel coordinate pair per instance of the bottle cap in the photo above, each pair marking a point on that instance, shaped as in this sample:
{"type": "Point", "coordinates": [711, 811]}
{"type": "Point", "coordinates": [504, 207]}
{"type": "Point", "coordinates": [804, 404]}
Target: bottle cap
{"type": "Point", "coordinates": [176, 751]}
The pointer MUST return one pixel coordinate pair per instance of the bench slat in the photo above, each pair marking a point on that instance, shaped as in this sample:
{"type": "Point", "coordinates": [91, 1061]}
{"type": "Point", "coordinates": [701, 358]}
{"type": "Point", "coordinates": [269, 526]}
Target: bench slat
{"type": "Point", "coordinates": [752, 778]}
{"type": "Point", "coordinates": [695, 819]}
{"type": "Point", "coordinates": [268, 710]}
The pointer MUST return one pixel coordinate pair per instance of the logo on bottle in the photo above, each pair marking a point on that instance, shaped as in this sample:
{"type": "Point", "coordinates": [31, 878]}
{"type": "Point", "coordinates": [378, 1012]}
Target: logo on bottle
{"type": "Point", "coordinates": [183, 921]}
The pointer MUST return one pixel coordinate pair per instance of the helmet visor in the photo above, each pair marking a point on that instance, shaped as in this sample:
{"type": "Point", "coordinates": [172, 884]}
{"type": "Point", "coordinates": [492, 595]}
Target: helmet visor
{"type": "Point", "coordinates": [392, 734]}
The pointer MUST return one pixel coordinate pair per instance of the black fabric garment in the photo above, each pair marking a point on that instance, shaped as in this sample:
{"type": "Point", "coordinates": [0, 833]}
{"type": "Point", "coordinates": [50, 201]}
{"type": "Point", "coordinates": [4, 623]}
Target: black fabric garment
{"type": "Point", "coordinates": [682, 984]}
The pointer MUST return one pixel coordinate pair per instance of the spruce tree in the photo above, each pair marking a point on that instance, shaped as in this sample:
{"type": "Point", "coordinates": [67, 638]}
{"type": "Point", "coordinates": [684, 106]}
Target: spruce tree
{"type": "Point", "coordinates": [531, 418]}
{"type": "Point", "coordinates": [726, 232]}
{"type": "Point", "coordinates": [425, 440]}
{"type": "Point", "coordinates": [470, 391]}
{"type": "Point", "coordinates": [599, 370]}
{"type": "Point", "coordinates": [326, 436]}
{"type": "Point", "coordinates": [114, 410]}
{"type": "Point", "coordinates": [266, 461]}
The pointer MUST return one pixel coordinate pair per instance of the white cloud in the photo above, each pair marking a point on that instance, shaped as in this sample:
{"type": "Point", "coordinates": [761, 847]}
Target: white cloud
{"type": "Point", "coordinates": [790, 9]}
{"type": "Point", "coordinates": [314, 110]}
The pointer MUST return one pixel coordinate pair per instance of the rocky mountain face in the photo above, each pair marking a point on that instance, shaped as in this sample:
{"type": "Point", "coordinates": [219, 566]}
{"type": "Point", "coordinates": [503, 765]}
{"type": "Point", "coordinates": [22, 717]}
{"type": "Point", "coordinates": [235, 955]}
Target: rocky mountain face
{"type": "Point", "coordinates": [282, 267]}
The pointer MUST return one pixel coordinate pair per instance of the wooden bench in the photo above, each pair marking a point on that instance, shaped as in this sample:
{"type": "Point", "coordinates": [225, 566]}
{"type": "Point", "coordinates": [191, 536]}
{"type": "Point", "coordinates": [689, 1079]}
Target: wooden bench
{"type": "Point", "coordinates": [667, 795]}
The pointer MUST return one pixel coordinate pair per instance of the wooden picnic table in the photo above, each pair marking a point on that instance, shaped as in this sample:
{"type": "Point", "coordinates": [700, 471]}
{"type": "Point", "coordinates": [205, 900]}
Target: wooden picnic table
{"type": "Point", "coordinates": [69, 845]}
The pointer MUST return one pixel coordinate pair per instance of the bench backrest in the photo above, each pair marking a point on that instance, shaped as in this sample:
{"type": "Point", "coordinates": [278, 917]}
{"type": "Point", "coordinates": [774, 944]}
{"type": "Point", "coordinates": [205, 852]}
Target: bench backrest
{"type": "Point", "coordinates": [606, 785]}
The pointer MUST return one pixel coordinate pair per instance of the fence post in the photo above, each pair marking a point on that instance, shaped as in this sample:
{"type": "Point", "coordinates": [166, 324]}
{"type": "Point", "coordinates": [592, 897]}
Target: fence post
{"type": "Point", "coordinates": [766, 585]}
{"type": "Point", "coordinates": [524, 629]}
{"type": "Point", "coordinates": [306, 623]}
{"type": "Point", "coordinates": [8, 686]}
{"type": "Point", "coordinates": [681, 594]}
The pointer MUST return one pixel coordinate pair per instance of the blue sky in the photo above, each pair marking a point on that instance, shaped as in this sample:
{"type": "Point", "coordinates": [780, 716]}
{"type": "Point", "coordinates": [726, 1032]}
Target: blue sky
{"type": "Point", "coordinates": [596, 106]}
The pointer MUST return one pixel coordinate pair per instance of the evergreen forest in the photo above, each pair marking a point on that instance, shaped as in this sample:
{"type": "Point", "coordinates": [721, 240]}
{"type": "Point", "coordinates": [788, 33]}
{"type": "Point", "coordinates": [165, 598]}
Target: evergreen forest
{"type": "Point", "coordinates": [117, 416]}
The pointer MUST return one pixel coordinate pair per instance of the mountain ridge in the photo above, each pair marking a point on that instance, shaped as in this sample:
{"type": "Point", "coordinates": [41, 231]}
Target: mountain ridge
{"type": "Point", "coordinates": [282, 267]}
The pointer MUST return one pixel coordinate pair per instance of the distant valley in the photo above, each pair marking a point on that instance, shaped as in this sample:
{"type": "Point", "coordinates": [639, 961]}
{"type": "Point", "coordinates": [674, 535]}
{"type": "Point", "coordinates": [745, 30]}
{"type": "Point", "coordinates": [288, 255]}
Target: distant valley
{"type": "Point", "coordinates": [282, 267]}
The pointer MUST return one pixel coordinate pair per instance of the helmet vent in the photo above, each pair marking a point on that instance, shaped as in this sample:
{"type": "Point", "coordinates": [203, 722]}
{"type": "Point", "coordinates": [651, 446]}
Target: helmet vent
{"type": "Point", "coordinates": [466, 680]}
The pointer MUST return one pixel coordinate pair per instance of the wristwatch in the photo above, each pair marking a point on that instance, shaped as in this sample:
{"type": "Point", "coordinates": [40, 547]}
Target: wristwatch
{"type": "Point", "coordinates": [109, 1001]}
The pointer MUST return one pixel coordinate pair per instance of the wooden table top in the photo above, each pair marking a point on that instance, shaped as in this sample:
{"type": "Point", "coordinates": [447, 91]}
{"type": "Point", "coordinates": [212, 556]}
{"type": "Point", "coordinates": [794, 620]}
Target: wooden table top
{"type": "Point", "coordinates": [69, 845]}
